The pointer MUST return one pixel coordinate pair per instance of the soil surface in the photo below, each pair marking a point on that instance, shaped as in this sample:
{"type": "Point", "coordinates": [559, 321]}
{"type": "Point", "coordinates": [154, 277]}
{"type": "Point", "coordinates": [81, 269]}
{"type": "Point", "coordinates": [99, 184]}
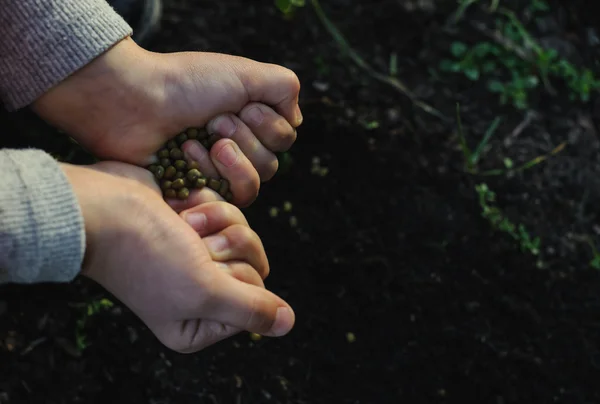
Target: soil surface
{"type": "Point", "coordinates": [403, 292]}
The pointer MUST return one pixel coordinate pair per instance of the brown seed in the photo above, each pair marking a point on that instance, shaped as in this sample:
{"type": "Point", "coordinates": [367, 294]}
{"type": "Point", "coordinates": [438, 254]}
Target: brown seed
{"type": "Point", "coordinates": [179, 174]}
{"type": "Point", "coordinates": [193, 165]}
{"type": "Point", "coordinates": [224, 188]}
{"type": "Point", "coordinates": [229, 196]}
{"type": "Point", "coordinates": [202, 133]}
{"type": "Point", "coordinates": [214, 138]}
{"type": "Point", "coordinates": [200, 183]}
{"type": "Point", "coordinates": [165, 162]}
{"type": "Point", "coordinates": [170, 172]}
{"type": "Point", "coordinates": [165, 184]}
{"type": "Point", "coordinates": [178, 183]}
{"type": "Point", "coordinates": [172, 144]}
{"type": "Point", "coordinates": [192, 133]}
{"type": "Point", "coordinates": [193, 174]}
{"type": "Point", "coordinates": [170, 193]}
{"type": "Point", "coordinates": [214, 184]}
{"type": "Point", "coordinates": [181, 138]}
{"type": "Point", "coordinates": [159, 173]}
{"type": "Point", "coordinates": [163, 153]}
{"type": "Point", "coordinates": [183, 193]}
{"type": "Point", "coordinates": [176, 154]}
{"type": "Point", "coordinates": [180, 165]}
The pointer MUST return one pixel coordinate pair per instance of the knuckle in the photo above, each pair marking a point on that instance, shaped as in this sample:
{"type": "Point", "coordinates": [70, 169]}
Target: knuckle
{"type": "Point", "coordinates": [258, 319]}
{"type": "Point", "coordinates": [290, 79]}
{"type": "Point", "coordinates": [267, 170]}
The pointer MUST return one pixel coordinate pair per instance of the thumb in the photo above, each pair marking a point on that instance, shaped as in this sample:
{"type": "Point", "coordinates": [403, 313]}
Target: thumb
{"type": "Point", "coordinates": [250, 308]}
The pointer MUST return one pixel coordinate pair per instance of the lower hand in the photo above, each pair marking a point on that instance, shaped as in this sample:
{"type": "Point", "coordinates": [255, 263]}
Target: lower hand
{"type": "Point", "coordinates": [193, 278]}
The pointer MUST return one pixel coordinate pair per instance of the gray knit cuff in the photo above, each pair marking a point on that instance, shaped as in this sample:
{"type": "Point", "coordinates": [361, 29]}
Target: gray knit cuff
{"type": "Point", "coordinates": [45, 41]}
{"type": "Point", "coordinates": [42, 233]}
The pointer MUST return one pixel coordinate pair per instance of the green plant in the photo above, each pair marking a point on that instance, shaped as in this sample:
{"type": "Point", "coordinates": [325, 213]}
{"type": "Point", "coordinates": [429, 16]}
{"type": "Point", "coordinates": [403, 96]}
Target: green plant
{"type": "Point", "coordinates": [287, 7]}
{"type": "Point", "coordinates": [88, 310]}
{"type": "Point", "coordinates": [498, 221]}
{"type": "Point", "coordinates": [513, 63]}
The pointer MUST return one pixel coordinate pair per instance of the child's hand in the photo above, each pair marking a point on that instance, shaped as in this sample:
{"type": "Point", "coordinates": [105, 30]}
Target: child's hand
{"type": "Point", "coordinates": [126, 103]}
{"type": "Point", "coordinates": [192, 283]}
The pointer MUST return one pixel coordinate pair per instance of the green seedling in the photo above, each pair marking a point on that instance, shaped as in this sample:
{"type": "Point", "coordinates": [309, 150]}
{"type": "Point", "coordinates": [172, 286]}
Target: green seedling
{"type": "Point", "coordinates": [472, 157]}
{"type": "Point", "coordinates": [88, 311]}
{"type": "Point", "coordinates": [287, 7]}
{"type": "Point", "coordinates": [498, 221]}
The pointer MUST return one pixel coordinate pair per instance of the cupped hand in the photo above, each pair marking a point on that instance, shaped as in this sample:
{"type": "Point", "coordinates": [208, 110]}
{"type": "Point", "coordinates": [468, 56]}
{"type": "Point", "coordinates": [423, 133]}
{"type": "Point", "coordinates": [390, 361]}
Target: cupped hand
{"type": "Point", "coordinates": [193, 278]}
{"type": "Point", "coordinates": [126, 103]}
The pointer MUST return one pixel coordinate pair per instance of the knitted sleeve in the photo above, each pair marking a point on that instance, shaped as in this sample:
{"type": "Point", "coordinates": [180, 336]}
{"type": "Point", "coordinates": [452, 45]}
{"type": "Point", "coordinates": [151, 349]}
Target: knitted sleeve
{"type": "Point", "coordinates": [42, 233]}
{"type": "Point", "coordinates": [44, 41]}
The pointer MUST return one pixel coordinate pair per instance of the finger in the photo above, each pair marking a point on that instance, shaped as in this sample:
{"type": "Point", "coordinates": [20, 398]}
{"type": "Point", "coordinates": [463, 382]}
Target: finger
{"type": "Point", "coordinates": [234, 166]}
{"type": "Point", "coordinates": [248, 307]}
{"type": "Point", "coordinates": [194, 335]}
{"type": "Point", "coordinates": [277, 87]}
{"type": "Point", "coordinates": [194, 151]}
{"type": "Point", "coordinates": [212, 217]}
{"type": "Point", "coordinates": [231, 127]}
{"type": "Point", "coordinates": [238, 242]}
{"type": "Point", "coordinates": [270, 128]}
{"type": "Point", "coordinates": [242, 272]}
{"type": "Point", "coordinates": [196, 198]}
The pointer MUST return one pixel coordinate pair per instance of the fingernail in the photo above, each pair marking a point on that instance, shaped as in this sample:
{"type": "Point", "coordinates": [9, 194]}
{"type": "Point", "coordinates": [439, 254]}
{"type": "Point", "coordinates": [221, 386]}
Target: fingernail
{"type": "Point", "coordinates": [228, 156]}
{"type": "Point", "coordinates": [224, 126]}
{"type": "Point", "coordinates": [299, 117]}
{"type": "Point", "coordinates": [196, 220]}
{"type": "Point", "coordinates": [216, 243]}
{"type": "Point", "coordinates": [256, 116]}
{"type": "Point", "coordinates": [284, 321]}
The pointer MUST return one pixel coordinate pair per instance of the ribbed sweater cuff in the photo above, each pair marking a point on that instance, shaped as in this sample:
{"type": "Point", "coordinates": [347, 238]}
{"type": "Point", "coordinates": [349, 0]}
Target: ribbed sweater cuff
{"type": "Point", "coordinates": [42, 233]}
{"type": "Point", "coordinates": [45, 41]}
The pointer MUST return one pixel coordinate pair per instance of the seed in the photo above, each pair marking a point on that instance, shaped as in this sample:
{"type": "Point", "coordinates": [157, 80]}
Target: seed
{"type": "Point", "coordinates": [170, 193]}
{"type": "Point", "coordinates": [192, 133]}
{"type": "Point", "coordinates": [159, 173]}
{"type": "Point", "coordinates": [165, 162]}
{"type": "Point", "coordinates": [193, 174]}
{"type": "Point", "coordinates": [170, 172]}
{"type": "Point", "coordinates": [200, 183]}
{"type": "Point", "coordinates": [229, 196]}
{"type": "Point", "coordinates": [152, 168]}
{"type": "Point", "coordinates": [181, 138]}
{"type": "Point", "coordinates": [172, 144]}
{"type": "Point", "coordinates": [165, 184]}
{"type": "Point", "coordinates": [180, 165]}
{"type": "Point", "coordinates": [183, 193]}
{"type": "Point", "coordinates": [176, 154]}
{"type": "Point", "coordinates": [193, 165]}
{"type": "Point", "coordinates": [214, 184]}
{"type": "Point", "coordinates": [202, 133]}
{"type": "Point", "coordinates": [214, 138]}
{"type": "Point", "coordinates": [178, 183]}
{"type": "Point", "coordinates": [163, 153]}
{"type": "Point", "coordinates": [179, 174]}
{"type": "Point", "coordinates": [224, 188]}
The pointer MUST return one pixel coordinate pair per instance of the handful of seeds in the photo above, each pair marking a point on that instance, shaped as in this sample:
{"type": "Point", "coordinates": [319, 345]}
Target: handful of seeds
{"type": "Point", "coordinates": [178, 176]}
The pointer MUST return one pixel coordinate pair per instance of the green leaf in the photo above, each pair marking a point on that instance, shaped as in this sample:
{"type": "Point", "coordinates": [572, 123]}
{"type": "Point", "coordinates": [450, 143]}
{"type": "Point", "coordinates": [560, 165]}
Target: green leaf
{"type": "Point", "coordinates": [472, 73]}
{"type": "Point", "coordinates": [496, 86]}
{"type": "Point", "coordinates": [458, 49]}
{"type": "Point", "coordinates": [298, 3]}
{"type": "Point", "coordinates": [284, 5]}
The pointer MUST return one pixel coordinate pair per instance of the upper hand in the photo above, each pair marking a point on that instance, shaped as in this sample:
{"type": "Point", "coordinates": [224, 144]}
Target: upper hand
{"type": "Point", "coordinates": [126, 103]}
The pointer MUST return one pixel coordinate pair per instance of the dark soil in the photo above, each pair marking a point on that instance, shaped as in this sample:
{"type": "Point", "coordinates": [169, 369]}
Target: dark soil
{"type": "Point", "coordinates": [390, 245]}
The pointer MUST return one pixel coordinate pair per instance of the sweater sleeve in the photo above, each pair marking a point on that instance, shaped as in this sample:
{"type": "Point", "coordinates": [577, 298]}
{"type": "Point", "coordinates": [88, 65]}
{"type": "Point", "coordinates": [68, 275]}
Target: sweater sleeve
{"type": "Point", "coordinates": [44, 41]}
{"type": "Point", "coordinates": [42, 233]}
